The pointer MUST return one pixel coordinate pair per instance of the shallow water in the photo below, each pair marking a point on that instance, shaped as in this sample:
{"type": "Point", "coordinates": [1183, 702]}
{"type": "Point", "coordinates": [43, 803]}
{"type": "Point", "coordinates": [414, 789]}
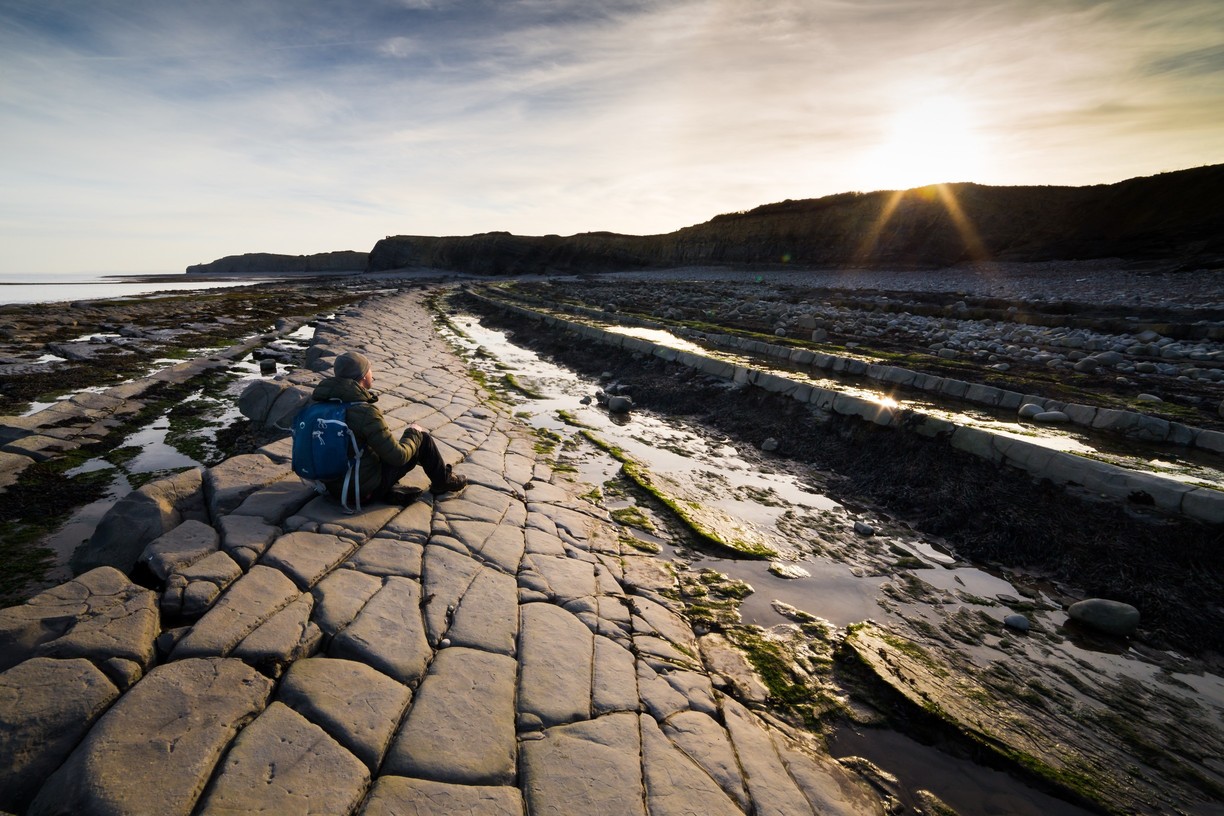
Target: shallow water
{"type": "Point", "coordinates": [156, 454]}
{"type": "Point", "coordinates": [847, 583]}
{"type": "Point", "coordinates": [1171, 462]}
{"type": "Point", "coordinates": [53, 289]}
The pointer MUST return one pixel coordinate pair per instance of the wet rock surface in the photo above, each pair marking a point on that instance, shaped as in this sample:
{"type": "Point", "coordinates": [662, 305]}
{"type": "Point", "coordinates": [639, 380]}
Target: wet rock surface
{"type": "Point", "coordinates": [986, 513]}
{"type": "Point", "coordinates": [445, 618]}
{"type": "Point", "coordinates": [358, 619]}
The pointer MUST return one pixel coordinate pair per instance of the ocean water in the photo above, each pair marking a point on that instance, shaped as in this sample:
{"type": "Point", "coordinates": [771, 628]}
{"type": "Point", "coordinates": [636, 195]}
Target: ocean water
{"type": "Point", "coordinates": [16, 287]}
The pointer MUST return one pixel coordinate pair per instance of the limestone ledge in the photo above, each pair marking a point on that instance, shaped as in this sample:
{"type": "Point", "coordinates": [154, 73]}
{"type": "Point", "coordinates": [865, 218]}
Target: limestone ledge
{"type": "Point", "coordinates": [494, 651]}
{"type": "Point", "coordinates": [1199, 503]}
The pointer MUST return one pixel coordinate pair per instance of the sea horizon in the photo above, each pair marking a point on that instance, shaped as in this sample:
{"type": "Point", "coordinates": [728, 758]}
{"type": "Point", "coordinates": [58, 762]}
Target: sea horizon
{"type": "Point", "coordinates": [54, 287]}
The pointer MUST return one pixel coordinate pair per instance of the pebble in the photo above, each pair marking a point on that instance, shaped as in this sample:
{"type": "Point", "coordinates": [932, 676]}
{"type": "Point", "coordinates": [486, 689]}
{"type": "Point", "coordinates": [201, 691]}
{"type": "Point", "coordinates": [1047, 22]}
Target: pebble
{"type": "Point", "coordinates": [1018, 622]}
{"type": "Point", "coordinates": [783, 570]}
{"type": "Point", "coordinates": [865, 530]}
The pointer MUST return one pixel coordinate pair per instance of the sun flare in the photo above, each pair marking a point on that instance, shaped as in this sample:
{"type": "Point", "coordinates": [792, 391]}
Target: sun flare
{"type": "Point", "coordinates": [932, 141]}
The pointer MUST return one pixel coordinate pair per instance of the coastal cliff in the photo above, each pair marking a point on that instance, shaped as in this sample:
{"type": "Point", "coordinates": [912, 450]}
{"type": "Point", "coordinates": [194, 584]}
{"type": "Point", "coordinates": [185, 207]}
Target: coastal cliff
{"type": "Point", "coordinates": [257, 263]}
{"type": "Point", "coordinates": [1174, 217]}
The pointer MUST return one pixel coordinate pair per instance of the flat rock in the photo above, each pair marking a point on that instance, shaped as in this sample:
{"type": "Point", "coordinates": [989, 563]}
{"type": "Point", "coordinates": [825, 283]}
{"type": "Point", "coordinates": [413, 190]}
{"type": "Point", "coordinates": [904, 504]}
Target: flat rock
{"type": "Point", "coordinates": [461, 725]}
{"type": "Point", "coordinates": [227, 483]}
{"type": "Point", "coordinates": [357, 705]}
{"type": "Point", "coordinates": [176, 549]}
{"type": "Point", "coordinates": [277, 501]}
{"type": "Point", "coordinates": [46, 708]}
{"type": "Point", "coordinates": [245, 538]}
{"type": "Point", "coordinates": [413, 523]}
{"type": "Point", "coordinates": [307, 557]}
{"type": "Point", "coordinates": [388, 633]}
{"type": "Point", "coordinates": [487, 614]}
{"type": "Point", "coordinates": [555, 653]}
{"type": "Point", "coordinates": [340, 596]}
{"type": "Point", "coordinates": [253, 599]}
{"type": "Point", "coordinates": [675, 785]}
{"type": "Point", "coordinates": [586, 767]}
{"type": "Point", "coordinates": [160, 742]}
{"type": "Point", "coordinates": [614, 680]}
{"type": "Point", "coordinates": [397, 796]}
{"type": "Point", "coordinates": [387, 556]}
{"type": "Point", "coordinates": [283, 763]}
{"type": "Point", "coordinates": [98, 615]}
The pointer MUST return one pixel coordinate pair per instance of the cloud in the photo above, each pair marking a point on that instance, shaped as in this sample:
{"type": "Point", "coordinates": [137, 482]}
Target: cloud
{"type": "Point", "coordinates": [275, 126]}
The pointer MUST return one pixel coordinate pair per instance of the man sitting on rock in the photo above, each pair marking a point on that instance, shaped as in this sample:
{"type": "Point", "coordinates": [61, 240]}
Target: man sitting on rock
{"type": "Point", "coordinates": [384, 460]}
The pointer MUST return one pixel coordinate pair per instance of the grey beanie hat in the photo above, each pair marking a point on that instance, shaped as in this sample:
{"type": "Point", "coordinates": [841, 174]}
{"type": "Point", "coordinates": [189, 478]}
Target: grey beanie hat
{"type": "Point", "coordinates": [352, 365]}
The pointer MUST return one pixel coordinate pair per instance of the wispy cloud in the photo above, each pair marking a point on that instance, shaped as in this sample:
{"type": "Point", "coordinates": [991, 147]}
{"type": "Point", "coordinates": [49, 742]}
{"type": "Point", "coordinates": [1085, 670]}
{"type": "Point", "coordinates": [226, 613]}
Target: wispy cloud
{"type": "Point", "coordinates": [188, 131]}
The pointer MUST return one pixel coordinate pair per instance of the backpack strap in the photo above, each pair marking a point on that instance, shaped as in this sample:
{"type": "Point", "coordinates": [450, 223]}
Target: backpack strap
{"type": "Point", "coordinates": [353, 474]}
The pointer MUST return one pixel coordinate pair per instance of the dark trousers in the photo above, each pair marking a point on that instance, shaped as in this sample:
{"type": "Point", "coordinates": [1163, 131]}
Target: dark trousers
{"type": "Point", "coordinates": [427, 456]}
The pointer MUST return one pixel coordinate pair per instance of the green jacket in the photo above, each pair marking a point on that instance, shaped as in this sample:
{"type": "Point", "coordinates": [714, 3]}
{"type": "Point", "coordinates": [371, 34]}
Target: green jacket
{"type": "Point", "coordinates": [367, 423]}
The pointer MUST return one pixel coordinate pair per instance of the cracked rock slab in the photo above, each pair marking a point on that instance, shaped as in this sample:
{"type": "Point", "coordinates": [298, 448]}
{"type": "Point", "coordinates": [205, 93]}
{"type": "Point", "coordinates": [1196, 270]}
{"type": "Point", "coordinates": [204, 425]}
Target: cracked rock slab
{"type": "Point", "coordinates": [98, 615]}
{"type": "Point", "coordinates": [587, 767]}
{"type": "Point", "coordinates": [461, 725]}
{"type": "Point", "coordinates": [340, 596]}
{"type": "Point", "coordinates": [555, 652]}
{"type": "Point", "coordinates": [46, 707]}
{"type": "Point", "coordinates": [397, 796]}
{"type": "Point", "coordinates": [675, 785]}
{"type": "Point", "coordinates": [165, 735]}
{"type": "Point", "coordinates": [282, 639]}
{"type": "Point", "coordinates": [357, 705]}
{"type": "Point", "coordinates": [253, 599]}
{"type": "Point", "coordinates": [177, 549]}
{"type": "Point", "coordinates": [388, 633]}
{"type": "Point", "coordinates": [283, 763]}
{"type": "Point", "coordinates": [228, 483]}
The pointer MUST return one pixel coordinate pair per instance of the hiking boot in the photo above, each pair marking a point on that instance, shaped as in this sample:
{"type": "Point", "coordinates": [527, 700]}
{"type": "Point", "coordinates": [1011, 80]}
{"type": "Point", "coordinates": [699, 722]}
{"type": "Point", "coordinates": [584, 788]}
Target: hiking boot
{"type": "Point", "coordinates": [453, 483]}
{"type": "Point", "coordinates": [403, 496]}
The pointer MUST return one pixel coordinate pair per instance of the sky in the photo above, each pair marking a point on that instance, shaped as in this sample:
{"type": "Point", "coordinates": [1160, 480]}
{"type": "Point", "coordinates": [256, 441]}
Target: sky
{"type": "Point", "coordinates": [147, 135]}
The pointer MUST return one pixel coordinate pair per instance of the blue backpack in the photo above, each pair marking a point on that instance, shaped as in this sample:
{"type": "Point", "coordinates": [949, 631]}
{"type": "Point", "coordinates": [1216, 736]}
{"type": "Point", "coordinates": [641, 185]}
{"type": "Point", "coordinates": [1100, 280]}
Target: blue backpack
{"type": "Point", "coordinates": [325, 449]}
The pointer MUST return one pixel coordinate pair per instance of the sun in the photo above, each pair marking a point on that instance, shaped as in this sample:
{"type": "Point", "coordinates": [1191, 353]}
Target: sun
{"type": "Point", "coordinates": [931, 141]}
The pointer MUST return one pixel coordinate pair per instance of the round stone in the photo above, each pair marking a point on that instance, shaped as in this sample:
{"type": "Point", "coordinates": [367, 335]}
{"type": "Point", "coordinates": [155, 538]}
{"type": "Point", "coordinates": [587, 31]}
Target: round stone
{"type": "Point", "coordinates": [1018, 622]}
{"type": "Point", "coordinates": [1111, 617]}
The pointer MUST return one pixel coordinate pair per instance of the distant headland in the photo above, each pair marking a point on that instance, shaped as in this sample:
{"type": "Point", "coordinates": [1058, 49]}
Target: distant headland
{"type": "Point", "coordinates": [1175, 218]}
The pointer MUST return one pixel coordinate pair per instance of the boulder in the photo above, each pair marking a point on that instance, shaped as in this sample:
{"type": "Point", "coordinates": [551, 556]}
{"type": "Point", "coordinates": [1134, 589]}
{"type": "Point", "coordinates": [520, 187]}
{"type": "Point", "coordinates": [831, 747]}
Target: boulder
{"type": "Point", "coordinates": [1111, 617]}
{"type": "Point", "coordinates": [140, 517]}
{"type": "Point", "coordinates": [619, 404]}
{"type": "Point", "coordinates": [1029, 410]}
{"type": "Point", "coordinates": [257, 399]}
{"type": "Point", "coordinates": [286, 407]}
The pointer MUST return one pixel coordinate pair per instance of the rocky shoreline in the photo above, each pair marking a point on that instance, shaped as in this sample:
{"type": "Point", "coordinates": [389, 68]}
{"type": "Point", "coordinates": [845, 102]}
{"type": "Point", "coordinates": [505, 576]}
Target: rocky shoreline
{"type": "Point", "coordinates": [599, 670]}
{"type": "Point", "coordinates": [496, 649]}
